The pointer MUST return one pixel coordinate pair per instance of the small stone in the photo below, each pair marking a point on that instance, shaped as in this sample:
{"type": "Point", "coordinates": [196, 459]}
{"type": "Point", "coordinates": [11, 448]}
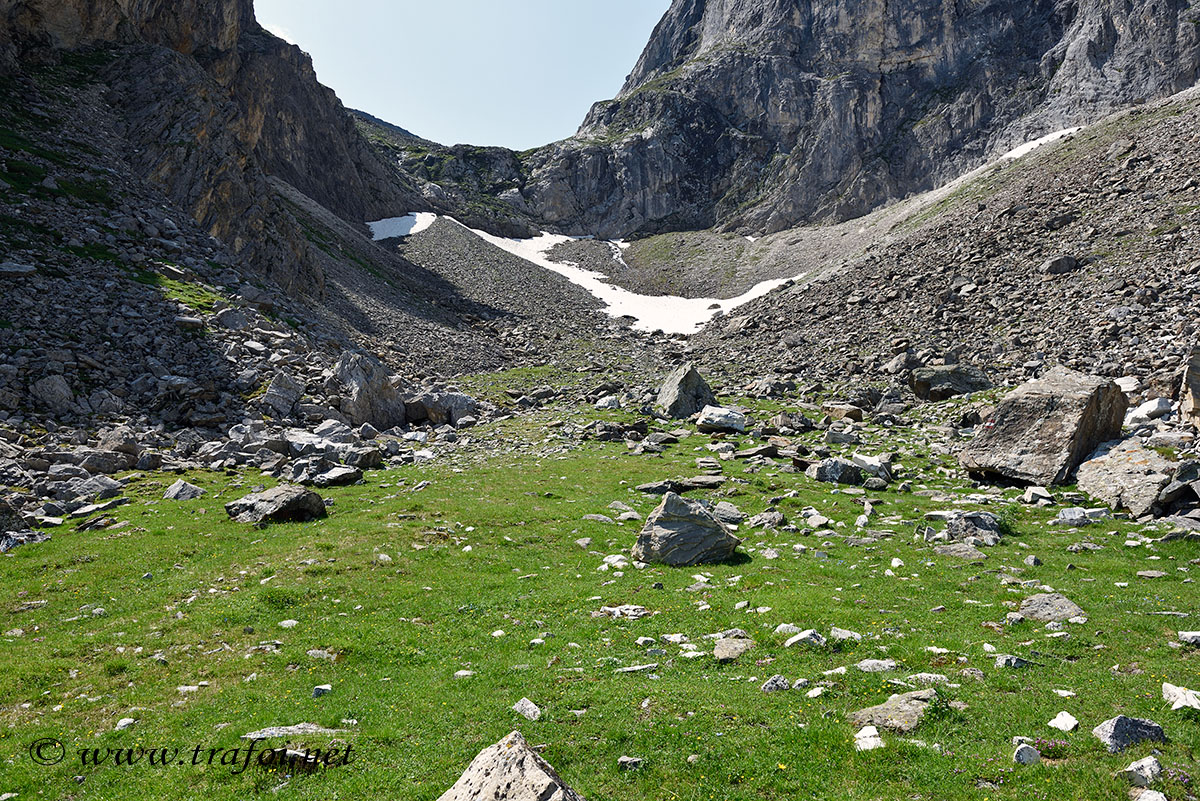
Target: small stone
{"type": "Point", "coordinates": [322, 689]}
{"type": "Point", "coordinates": [125, 723]}
{"type": "Point", "coordinates": [1121, 732]}
{"type": "Point", "coordinates": [775, 684]}
{"type": "Point", "coordinates": [1026, 755]}
{"type": "Point", "coordinates": [1064, 721]}
{"type": "Point", "coordinates": [1143, 773]}
{"type": "Point", "coordinates": [629, 763]}
{"type": "Point", "coordinates": [527, 709]}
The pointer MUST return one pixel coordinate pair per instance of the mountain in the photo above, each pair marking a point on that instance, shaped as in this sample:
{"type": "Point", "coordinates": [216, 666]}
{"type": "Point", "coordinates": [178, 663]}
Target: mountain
{"type": "Point", "coordinates": [759, 116]}
{"type": "Point", "coordinates": [211, 107]}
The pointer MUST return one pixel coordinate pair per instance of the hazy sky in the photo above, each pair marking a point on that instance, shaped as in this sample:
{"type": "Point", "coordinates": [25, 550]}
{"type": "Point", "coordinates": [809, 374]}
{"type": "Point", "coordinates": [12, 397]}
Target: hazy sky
{"type": "Point", "coordinates": [518, 73]}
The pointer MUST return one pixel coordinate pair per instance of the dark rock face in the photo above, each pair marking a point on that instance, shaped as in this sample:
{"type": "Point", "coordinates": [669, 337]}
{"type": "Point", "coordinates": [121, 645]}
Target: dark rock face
{"type": "Point", "coordinates": [214, 106]}
{"type": "Point", "coordinates": [762, 115]}
{"type": "Point", "coordinates": [682, 532]}
{"type": "Point", "coordinates": [1044, 429]}
{"type": "Point", "coordinates": [684, 392]}
{"type": "Point", "coordinates": [941, 382]}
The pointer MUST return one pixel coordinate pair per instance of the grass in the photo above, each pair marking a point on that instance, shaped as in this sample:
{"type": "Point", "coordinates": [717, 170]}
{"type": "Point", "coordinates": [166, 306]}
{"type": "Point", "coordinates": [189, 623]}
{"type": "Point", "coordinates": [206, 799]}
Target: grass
{"type": "Point", "coordinates": [191, 597]}
{"type": "Point", "coordinates": [195, 296]}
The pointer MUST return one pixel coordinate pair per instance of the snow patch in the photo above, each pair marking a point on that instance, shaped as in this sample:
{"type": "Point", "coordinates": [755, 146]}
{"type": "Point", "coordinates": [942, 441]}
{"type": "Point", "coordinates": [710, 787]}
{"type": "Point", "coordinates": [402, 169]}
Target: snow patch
{"type": "Point", "coordinates": [669, 313]}
{"type": "Point", "coordinates": [407, 225]}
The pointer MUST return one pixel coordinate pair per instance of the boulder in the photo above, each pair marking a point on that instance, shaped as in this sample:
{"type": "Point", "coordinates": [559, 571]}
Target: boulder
{"type": "Point", "coordinates": [717, 418]}
{"type": "Point", "coordinates": [14, 531]}
{"type": "Point", "coordinates": [901, 713]}
{"type": "Point", "coordinates": [120, 440]}
{"type": "Point", "coordinates": [440, 408]}
{"type": "Point", "coordinates": [983, 526]}
{"type": "Point", "coordinates": [282, 395]}
{"type": "Point", "coordinates": [836, 471]}
{"type": "Point", "coordinates": [367, 392]}
{"type": "Point", "coordinates": [683, 393]}
{"type": "Point", "coordinates": [54, 393]}
{"type": "Point", "coordinates": [286, 503]}
{"type": "Point", "coordinates": [960, 550]}
{"type": "Point", "coordinates": [1049, 607]}
{"type": "Point", "coordinates": [182, 491]}
{"type": "Point", "coordinates": [1044, 429]}
{"type": "Point", "coordinates": [1126, 475]}
{"type": "Point", "coordinates": [510, 771]}
{"type": "Point", "coordinates": [683, 532]}
{"type": "Point", "coordinates": [1121, 732]}
{"type": "Point", "coordinates": [947, 381]}
{"type": "Point", "coordinates": [1189, 393]}
{"type": "Point", "coordinates": [728, 649]}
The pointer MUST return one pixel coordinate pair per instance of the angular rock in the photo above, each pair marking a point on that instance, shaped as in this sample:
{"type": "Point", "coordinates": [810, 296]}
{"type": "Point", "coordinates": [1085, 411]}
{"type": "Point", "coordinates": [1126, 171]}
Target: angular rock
{"type": "Point", "coordinates": [1026, 754]}
{"type": "Point", "coordinates": [960, 550]}
{"type": "Point", "coordinates": [367, 392]}
{"type": "Point", "coordinates": [681, 532]}
{"type": "Point", "coordinates": [510, 771]}
{"type": "Point", "coordinates": [836, 471]}
{"type": "Point", "coordinates": [1143, 773]}
{"type": "Point", "coordinates": [1049, 607]}
{"type": "Point", "coordinates": [1189, 395]}
{"type": "Point", "coordinates": [286, 503]}
{"type": "Point", "coordinates": [1121, 732]}
{"type": "Point", "coordinates": [440, 408]}
{"type": "Point", "coordinates": [715, 419]}
{"type": "Point", "coordinates": [683, 393]}
{"type": "Point", "coordinates": [948, 381]}
{"type": "Point", "coordinates": [527, 709]}
{"type": "Point", "coordinates": [282, 395]}
{"type": "Point", "coordinates": [901, 713]}
{"type": "Point", "coordinates": [182, 491]}
{"type": "Point", "coordinates": [1126, 475]}
{"type": "Point", "coordinates": [1044, 429]}
{"type": "Point", "coordinates": [1180, 697]}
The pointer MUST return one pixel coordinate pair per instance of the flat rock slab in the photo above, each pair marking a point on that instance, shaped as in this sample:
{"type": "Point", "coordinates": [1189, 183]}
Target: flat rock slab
{"type": "Point", "coordinates": [682, 485]}
{"type": "Point", "coordinates": [901, 713]}
{"type": "Point", "coordinates": [1049, 607]}
{"type": "Point", "coordinates": [286, 503]}
{"type": "Point", "coordinates": [960, 550]}
{"type": "Point", "coordinates": [297, 730]}
{"type": "Point", "coordinates": [728, 649]}
{"type": "Point", "coordinates": [1044, 429]}
{"type": "Point", "coordinates": [510, 771]}
{"type": "Point", "coordinates": [683, 532]}
{"type": "Point", "coordinates": [1121, 732]}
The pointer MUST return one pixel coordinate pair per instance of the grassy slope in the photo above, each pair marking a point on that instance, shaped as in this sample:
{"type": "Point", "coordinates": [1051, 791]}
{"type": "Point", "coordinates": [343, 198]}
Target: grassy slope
{"type": "Point", "coordinates": [403, 628]}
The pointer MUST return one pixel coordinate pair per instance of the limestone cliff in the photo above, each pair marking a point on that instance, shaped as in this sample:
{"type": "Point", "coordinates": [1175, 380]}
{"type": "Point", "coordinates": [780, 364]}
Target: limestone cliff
{"type": "Point", "coordinates": [762, 114]}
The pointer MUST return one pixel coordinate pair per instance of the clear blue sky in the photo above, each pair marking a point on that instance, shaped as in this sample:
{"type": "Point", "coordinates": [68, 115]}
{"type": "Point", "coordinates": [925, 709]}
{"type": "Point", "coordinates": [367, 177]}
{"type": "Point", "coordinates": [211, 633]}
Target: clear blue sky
{"type": "Point", "coordinates": [517, 73]}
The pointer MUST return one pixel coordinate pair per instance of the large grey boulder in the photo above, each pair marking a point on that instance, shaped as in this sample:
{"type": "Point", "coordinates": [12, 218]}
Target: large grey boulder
{"type": "Point", "coordinates": [367, 392]}
{"type": "Point", "coordinates": [714, 419]}
{"type": "Point", "coordinates": [282, 395]}
{"type": "Point", "coordinates": [440, 408]}
{"type": "Point", "coordinates": [1049, 607]}
{"type": "Point", "coordinates": [510, 771]}
{"type": "Point", "coordinates": [836, 471]}
{"type": "Point", "coordinates": [182, 491]}
{"type": "Point", "coordinates": [1044, 429]}
{"type": "Point", "coordinates": [901, 713]}
{"type": "Point", "coordinates": [286, 503]}
{"type": "Point", "coordinates": [683, 532]}
{"type": "Point", "coordinates": [1120, 732]}
{"type": "Point", "coordinates": [947, 381]}
{"type": "Point", "coordinates": [1189, 395]}
{"type": "Point", "coordinates": [55, 393]}
{"type": "Point", "coordinates": [1126, 475]}
{"type": "Point", "coordinates": [684, 392]}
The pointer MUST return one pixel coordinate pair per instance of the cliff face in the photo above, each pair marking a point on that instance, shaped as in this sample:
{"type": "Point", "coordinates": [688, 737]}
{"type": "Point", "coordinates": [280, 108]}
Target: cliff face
{"type": "Point", "coordinates": [214, 105]}
{"type": "Point", "coordinates": [762, 114]}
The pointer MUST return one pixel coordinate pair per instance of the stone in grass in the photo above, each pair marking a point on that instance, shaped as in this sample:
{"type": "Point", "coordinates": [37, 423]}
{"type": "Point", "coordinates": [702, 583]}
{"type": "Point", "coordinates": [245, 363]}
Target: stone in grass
{"type": "Point", "coordinates": [182, 491]}
{"type": "Point", "coordinates": [283, 504]}
{"type": "Point", "coordinates": [1191, 638]}
{"type": "Point", "coordinates": [728, 649]}
{"type": "Point", "coordinates": [1180, 697]}
{"type": "Point", "coordinates": [628, 763]}
{"type": "Point", "coordinates": [1120, 732]}
{"type": "Point", "coordinates": [1064, 721]}
{"type": "Point", "coordinates": [1049, 607]}
{"type": "Point", "coordinates": [510, 770]}
{"type": "Point", "coordinates": [715, 419]}
{"type": "Point", "coordinates": [868, 739]}
{"type": "Point", "coordinates": [322, 689]}
{"type": "Point", "coordinates": [901, 713]}
{"type": "Point", "coordinates": [776, 683]}
{"type": "Point", "coordinates": [682, 532]}
{"type": "Point", "coordinates": [807, 637]}
{"type": "Point", "coordinates": [960, 550]}
{"type": "Point", "coordinates": [527, 709]}
{"type": "Point", "coordinates": [125, 723]}
{"type": "Point", "coordinates": [1142, 773]}
{"type": "Point", "coordinates": [1026, 754]}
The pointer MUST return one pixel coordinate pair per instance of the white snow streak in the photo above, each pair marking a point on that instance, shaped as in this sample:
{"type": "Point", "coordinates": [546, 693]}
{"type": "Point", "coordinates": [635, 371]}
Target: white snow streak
{"type": "Point", "coordinates": [407, 225]}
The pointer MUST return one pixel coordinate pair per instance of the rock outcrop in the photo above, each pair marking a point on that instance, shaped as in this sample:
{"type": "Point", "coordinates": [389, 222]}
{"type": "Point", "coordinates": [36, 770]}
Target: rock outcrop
{"type": "Point", "coordinates": [1044, 429]}
{"type": "Point", "coordinates": [510, 771]}
{"type": "Point", "coordinates": [758, 116]}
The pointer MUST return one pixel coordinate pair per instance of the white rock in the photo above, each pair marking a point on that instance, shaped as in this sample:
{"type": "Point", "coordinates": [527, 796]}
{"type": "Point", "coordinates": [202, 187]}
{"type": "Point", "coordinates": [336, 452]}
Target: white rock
{"type": "Point", "coordinates": [1143, 773]}
{"type": "Point", "coordinates": [1064, 721]}
{"type": "Point", "coordinates": [527, 709]}
{"type": "Point", "coordinates": [125, 723]}
{"type": "Point", "coordinates": [1180, 697]}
